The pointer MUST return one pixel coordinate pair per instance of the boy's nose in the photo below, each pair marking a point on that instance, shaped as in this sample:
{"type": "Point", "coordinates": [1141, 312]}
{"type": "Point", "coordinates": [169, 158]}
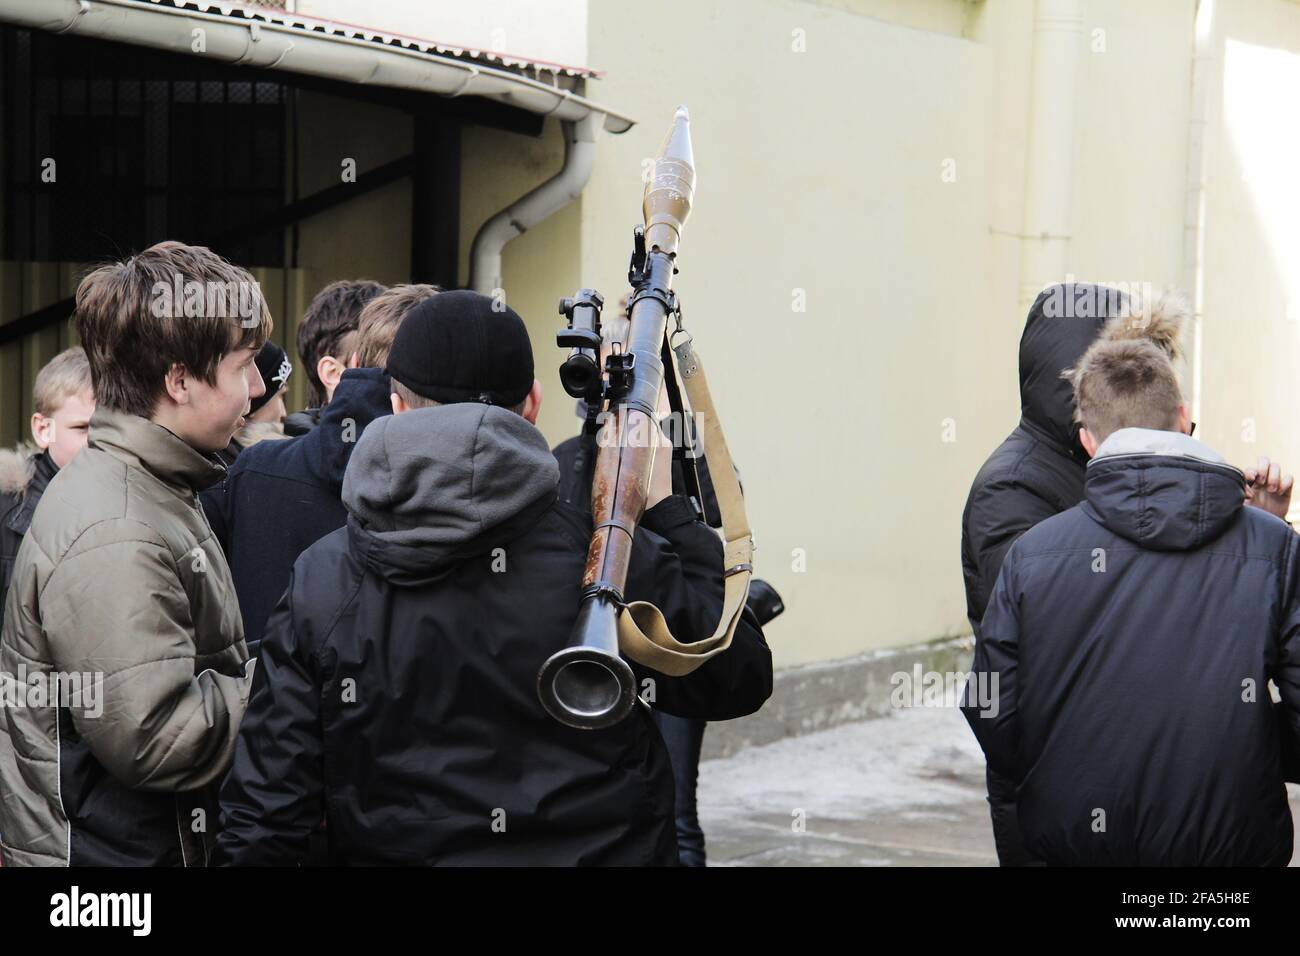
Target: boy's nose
{"type": "Point", "coordinates": [256, 387]}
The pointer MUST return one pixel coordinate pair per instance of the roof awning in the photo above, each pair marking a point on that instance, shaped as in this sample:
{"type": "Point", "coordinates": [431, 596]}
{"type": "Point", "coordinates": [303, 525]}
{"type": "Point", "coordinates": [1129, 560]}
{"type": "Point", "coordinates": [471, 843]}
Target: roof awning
{"type": "Point", "coordinates": [274, 40]}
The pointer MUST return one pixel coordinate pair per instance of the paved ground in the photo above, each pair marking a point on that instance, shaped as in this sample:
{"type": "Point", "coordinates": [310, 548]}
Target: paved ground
{"type": "Point", "coordinates": [903, 790]}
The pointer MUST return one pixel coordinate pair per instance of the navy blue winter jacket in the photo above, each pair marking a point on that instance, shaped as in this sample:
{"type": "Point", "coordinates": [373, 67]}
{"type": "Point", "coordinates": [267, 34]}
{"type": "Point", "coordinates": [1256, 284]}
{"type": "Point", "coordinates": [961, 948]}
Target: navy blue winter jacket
{"type": "Point", "coordinates": [1133, 638]}
{"type": "Point", "coordinates": [280, 497]}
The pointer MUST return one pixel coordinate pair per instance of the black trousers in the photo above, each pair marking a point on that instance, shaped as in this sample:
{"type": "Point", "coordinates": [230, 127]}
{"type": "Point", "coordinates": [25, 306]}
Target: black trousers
{"type": "Point", "coordinates": [1006, 827]}
{"type": "Point", "coordinates": [684, 737]}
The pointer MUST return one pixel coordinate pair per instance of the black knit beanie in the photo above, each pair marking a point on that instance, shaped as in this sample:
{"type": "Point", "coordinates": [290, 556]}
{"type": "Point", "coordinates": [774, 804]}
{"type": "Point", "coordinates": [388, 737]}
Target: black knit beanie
{"type": "Point", "coordinates": [274, 365]}
{"type": "Point", "coordinates": [463, 347]}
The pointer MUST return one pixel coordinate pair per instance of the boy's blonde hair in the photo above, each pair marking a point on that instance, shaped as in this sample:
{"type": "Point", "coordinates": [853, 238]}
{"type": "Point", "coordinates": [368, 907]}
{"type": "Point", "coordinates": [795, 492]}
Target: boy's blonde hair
{"type": "Point", "coordinates": [1125, 383]}
{"type": "Point", "coordinates": [1161, 319]}
{"type": "Point", "coordinates": [380, 319]}
{"type": "Point", "coordinates": [63, 376]}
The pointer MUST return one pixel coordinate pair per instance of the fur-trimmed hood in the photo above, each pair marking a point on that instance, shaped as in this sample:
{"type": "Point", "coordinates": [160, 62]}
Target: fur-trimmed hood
{"type": "Point", "coordinates": [17, 465]}
{"type": "Point", "coordinates": [255, 432]}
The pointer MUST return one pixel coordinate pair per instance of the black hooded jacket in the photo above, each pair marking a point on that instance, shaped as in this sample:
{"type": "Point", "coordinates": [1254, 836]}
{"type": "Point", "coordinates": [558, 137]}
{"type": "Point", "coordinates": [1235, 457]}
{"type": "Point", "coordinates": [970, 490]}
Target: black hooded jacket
{"type": "Point", "coordinates": [1038, 470]}
{"type": "Point", "coordinates": [1133, 638]}
{"type": "Point", "coordinates": [396, 692]}
{"type": "Point", "coordinates": [23, 480]}
{"type": "Point", "coordinates": [281, 496]}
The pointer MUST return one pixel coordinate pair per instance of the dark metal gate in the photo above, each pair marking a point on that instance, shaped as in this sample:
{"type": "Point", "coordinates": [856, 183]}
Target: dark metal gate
{"type": "Point", "coordinates": [109, 148]}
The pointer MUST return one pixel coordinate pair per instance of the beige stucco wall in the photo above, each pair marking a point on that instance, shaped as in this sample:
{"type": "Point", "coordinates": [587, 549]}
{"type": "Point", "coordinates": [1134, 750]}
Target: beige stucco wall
{"type": "Point", "coordinates": [821, 177]}
{"type": "Point", "coordinates": [821, 171]}
{"type": "Point", "coordinates": [1252, 277]}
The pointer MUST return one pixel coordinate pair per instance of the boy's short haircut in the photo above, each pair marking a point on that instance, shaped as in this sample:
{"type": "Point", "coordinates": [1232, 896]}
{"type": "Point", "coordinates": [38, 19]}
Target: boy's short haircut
{"type": "Point", "coordinates": [380, 319]}
{"type": "Point", "coordinates": [1128, 383]}
{"type": "Point", "coordinates": [171, 304]}
{"type": "Point", "coordinates": [63, 376]}
{"type": "Point", "coordinates": [333, 315]}
{"type": "Point", "coordinates": [413, 399]}
{"type": "Point", "coordinates": [347, 346]}
{"type": "Point", "coordinates": [416, 400]}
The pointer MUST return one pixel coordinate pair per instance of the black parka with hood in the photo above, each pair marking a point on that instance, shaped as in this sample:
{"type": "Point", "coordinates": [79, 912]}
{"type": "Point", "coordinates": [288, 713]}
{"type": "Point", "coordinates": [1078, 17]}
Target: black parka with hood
{"type": "Point", "coordinates": [1133, 638]}
{"type": "Point", "coordinates": [1038, 470]}
{"type": "Point", "coordinates": [397, 690]}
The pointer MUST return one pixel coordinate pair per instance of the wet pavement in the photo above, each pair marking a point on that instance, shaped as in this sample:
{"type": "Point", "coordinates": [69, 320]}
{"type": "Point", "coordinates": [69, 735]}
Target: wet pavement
{"type": "Point", "coordinates": [902, 790]}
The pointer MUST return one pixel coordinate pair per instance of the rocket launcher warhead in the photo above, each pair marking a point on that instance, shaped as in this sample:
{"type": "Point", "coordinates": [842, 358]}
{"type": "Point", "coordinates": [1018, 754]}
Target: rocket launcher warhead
{"type": "Point", "coordinates": [671, 188]}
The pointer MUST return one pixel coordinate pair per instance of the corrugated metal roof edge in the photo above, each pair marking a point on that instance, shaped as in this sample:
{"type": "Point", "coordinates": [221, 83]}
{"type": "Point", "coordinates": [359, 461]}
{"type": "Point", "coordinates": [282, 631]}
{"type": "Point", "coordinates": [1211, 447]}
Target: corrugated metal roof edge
{"type": "Point", "coordinates": [95, 18]}
{"type": "Point", "coordinates": [232, 8]}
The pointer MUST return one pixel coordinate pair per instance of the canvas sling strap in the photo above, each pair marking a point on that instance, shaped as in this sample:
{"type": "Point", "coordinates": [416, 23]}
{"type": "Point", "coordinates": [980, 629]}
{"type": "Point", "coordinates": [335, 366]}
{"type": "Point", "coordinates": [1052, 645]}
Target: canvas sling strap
{"type": "Point", "coordinates": [643, 633]}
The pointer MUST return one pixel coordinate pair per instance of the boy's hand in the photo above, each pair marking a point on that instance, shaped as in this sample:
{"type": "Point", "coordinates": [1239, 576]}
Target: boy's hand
{"type": "Point", "coordinates": [1268, 489]}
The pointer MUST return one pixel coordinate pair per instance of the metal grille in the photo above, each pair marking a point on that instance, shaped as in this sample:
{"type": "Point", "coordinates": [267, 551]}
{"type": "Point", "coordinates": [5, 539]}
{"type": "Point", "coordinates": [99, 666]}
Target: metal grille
{"type": "Point", "coordinates": [109, 148]}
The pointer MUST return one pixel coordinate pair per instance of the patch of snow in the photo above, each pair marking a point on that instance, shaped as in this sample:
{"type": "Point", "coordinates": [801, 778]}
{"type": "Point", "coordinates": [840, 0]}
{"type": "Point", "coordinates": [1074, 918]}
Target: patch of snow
{"type": "Point", "coordinates": [913, 759]}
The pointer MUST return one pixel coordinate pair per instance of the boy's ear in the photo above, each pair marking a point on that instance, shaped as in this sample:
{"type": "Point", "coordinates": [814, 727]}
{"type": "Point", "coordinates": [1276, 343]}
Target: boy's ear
{"type": "Point", "coordinates": [177, 384]}
{"type": "Point", "coordinates": [329, 370]}
{"type": "Point", "coordinates": [399, 405]}
{"type": "Point", "coordinates": [1184, 420]}
{"type": "Point", "coordinates": [1088, 442]}
{"type": "Point", "coordinates": [42, 430]}
{"type": "Point", "coordinates": [533, 403]}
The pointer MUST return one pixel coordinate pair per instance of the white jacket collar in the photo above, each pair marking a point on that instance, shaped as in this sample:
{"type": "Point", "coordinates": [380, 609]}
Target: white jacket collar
{"type": "Point", "coordinates": [1150, 441]}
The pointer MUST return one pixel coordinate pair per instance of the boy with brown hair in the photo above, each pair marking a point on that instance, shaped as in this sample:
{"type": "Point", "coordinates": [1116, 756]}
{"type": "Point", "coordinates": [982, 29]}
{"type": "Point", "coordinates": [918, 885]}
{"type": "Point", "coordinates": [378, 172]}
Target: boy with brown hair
{"type": "Point", "coordinates": [1122, 669]}
{"type": "Point", "coordinates": [327, 339]}
{"type": "Point", "coordinates": [64, 402]}
{"type": "Point", "coordinates": [122, 632]}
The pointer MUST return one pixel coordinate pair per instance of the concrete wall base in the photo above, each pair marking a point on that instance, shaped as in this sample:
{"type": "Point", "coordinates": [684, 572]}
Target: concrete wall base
{"type": "Point", "coordinates": [823, 695]}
